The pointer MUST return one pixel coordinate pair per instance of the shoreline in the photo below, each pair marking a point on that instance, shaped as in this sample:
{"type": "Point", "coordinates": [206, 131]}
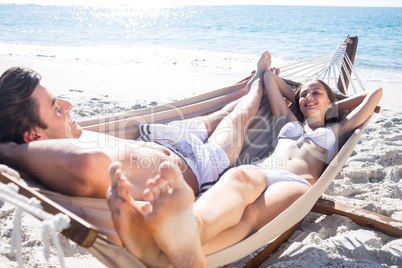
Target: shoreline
{"type": "Point", "coordinates": [63, 75]}
{"type": "Point", "coordinates": [371, 179]}
{"type": "Point", "coordinates": [162, 82]}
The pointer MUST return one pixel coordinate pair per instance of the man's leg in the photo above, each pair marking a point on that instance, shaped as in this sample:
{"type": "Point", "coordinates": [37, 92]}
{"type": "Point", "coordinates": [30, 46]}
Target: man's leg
{"type": "Point", "coordinates": [212, 120]}
{"type": "Point", "coordinates": [129, 221]}
{"type": "Point", "coordinates": [230, 132]}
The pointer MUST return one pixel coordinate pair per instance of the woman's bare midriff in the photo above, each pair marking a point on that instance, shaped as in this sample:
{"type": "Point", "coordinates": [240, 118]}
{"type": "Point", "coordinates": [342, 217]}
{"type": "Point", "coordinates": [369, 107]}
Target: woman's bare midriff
{"type": "Point", "coordinates": [297, 158]}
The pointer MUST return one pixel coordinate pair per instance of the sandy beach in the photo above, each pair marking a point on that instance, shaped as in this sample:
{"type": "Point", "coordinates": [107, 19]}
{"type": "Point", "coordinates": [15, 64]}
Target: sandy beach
{"type": "Point", "coordinates": [371, 179]}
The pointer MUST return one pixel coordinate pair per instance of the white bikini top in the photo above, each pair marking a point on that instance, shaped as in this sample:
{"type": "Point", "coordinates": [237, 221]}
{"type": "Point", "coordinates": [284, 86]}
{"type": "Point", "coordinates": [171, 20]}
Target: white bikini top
{"type": "Point", "coordinates": [323, 136]}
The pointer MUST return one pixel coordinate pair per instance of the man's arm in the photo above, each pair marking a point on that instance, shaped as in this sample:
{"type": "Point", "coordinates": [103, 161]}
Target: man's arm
{"type": "Point", "coordinates": [60, 166]}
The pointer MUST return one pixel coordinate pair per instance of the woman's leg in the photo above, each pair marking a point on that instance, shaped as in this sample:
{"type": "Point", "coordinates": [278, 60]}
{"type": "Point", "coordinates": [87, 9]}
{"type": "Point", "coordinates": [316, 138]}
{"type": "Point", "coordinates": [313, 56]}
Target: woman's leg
{"type": "Point", "coordinates": [222, 206]}
{"type": "Point", "coordinates": [275, 200]}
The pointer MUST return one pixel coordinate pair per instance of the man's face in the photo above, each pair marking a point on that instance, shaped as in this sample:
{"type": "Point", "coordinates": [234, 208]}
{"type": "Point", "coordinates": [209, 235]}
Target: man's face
{"type": "Point", "coordinates": [55, 113]}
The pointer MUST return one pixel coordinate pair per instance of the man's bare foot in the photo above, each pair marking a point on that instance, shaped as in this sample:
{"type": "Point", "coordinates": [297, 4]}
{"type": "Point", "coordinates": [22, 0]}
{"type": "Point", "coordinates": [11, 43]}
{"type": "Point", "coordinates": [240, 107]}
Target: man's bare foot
{"type": "Point", "coordinates": [170, 217]}
{"type": "Point", "coordinates": [264, 63]}
{"type": "Point", "coordinates": [129, 222]}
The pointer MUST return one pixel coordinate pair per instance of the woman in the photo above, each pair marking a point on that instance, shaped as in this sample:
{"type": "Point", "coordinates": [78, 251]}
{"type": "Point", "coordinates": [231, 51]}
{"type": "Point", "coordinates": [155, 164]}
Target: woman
{"type": "Point", "coordinates": [248, 197]}
{"type": "Point", "coordinates": [303, 149]}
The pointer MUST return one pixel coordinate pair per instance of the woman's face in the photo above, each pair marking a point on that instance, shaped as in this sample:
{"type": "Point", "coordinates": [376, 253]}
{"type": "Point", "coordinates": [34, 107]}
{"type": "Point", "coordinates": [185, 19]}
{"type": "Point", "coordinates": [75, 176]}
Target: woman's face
{"type": "Point", "coordinates": [314, 99]}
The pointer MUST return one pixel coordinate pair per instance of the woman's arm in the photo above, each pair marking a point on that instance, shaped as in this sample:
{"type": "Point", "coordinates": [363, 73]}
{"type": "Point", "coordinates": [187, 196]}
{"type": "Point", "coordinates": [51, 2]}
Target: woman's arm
{"type": "Point", "coordinates": [276, 90]}
{"type": "Point", "coordinates": [363, 104]}
{"type": "Point", "coordinates": [285, 89]}
{"type": "Point", "coordinates": [352, 101]}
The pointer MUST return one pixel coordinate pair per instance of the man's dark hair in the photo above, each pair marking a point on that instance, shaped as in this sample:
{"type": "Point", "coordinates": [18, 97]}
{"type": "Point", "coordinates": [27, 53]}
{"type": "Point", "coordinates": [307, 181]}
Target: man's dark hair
{"type": "Point", "coordinates": [19, 112]}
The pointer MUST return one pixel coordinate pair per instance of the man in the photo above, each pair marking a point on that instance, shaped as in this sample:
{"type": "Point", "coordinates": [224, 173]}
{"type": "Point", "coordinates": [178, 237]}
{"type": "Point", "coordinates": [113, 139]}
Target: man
{"type": "Point", "coordinates": [40, 138]}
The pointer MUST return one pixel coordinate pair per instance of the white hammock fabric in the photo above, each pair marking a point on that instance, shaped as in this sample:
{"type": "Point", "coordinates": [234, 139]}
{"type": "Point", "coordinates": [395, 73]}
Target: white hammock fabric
{"type": "Point", "coordinates": [51, 224]}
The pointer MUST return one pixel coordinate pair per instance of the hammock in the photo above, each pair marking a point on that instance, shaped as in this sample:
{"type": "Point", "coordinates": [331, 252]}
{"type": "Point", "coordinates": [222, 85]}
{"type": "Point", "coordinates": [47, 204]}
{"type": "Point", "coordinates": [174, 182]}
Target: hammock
{"type": "Point", "coordinates": [99, 236]}
{"type": "Point", "coordinates": [52, 224]}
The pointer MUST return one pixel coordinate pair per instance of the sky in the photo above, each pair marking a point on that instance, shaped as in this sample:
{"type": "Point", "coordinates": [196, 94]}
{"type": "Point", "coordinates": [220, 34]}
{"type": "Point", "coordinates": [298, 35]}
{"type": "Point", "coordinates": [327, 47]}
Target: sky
{"type": "Point", "coordinates": [162, 3]}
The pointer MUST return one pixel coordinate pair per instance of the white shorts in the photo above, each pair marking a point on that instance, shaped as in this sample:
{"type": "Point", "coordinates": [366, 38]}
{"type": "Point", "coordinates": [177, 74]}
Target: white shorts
{"type": "Point", "coordinates": [188, 139]}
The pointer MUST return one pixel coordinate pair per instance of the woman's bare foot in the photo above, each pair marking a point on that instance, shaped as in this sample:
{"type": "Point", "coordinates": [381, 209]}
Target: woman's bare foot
{"type": "Point", "coordinates": [129, 222]}
{"type": "Point", "coordinates": [170, 217]}
{"type": "Point", "coordinates": [275, 70]}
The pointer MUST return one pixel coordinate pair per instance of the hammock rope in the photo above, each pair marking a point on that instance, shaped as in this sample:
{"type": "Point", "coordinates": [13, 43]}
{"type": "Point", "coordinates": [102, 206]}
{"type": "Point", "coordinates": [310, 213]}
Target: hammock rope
{"type": "Point", "coordinates": [330, 67]}
{"type": "Point", "coordinates": [52, 224]}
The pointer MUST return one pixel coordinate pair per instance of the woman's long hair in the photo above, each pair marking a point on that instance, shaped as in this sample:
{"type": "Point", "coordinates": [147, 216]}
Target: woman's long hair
{"type": "Point", "coordinates": [331, 116]}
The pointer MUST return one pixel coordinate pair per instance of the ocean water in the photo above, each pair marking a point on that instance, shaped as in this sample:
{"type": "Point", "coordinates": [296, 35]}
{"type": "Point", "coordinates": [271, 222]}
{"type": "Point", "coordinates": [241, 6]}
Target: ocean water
{"type": "Point", "coordinates": [222, 38]}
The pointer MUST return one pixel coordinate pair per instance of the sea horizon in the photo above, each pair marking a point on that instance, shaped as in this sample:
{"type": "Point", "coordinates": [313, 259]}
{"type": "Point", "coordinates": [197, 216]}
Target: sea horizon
{"type": "Point", "coordinates": [225, 39]}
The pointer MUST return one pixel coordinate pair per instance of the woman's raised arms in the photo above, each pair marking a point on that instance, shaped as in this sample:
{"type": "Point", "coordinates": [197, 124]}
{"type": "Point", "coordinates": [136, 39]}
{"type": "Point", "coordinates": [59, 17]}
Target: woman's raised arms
{"type": "Point", "coordinates": [364, 104]}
